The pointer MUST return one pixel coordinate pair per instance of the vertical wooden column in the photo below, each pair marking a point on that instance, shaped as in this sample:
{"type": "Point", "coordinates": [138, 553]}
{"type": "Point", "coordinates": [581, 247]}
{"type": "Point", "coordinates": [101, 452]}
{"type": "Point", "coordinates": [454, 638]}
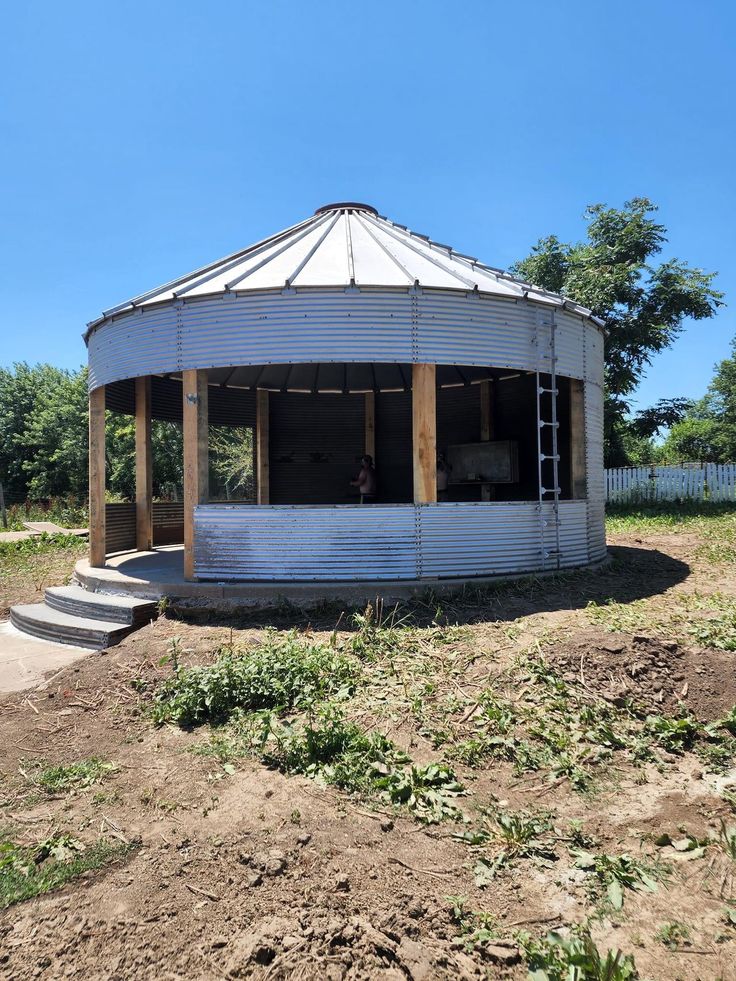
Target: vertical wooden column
{"type": "Point", "coordinates": [143, 466]}
{"type": "Point", "coordinates": [578, 483]}
{"type": "Point", "coordinates": [486, 412]}
{"type": "Point", "coordinates": [262, 438]}
{"type": "Point", "coordinates": [196, 456]}
{"type": "Point", "coordinates": [97, 476]}
{"type": "Point", "coordinates": [486, 427]}
{"type": "Point", "coordinates": [424, 432]}
{"type": "Point", "coordinates": [370, 425]}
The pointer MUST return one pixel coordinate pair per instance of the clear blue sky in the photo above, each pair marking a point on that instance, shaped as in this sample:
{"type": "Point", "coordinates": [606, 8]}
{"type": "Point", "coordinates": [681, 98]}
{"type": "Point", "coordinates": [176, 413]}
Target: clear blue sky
{"type": "Point", "coordinates": [140, 140]}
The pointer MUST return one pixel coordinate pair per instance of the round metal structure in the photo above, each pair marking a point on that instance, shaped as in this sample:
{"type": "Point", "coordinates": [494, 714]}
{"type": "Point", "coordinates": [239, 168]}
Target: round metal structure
{"type": "Point", "coordinates": [348, 302]}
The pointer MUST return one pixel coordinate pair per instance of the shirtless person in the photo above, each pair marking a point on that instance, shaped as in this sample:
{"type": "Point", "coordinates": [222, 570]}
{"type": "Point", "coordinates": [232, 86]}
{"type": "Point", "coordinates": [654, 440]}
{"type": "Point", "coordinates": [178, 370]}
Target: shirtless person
{"type": "Point", "coordinates": [366, 480]}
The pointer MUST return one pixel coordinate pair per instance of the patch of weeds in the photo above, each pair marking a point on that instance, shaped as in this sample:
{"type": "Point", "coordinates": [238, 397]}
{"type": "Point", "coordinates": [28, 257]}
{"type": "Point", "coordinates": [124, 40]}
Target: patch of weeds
{"type": "Point", "coordinates": [617, 873]}
{"type": "Point", "coordinates": [149, 799]}
{"type": "Point", "coordinates": [618, 617]}
{"type": "Point", "coordinates": [574, 958]}
{"type": "Point", "coordinates": [31, 870]}
{"type": "Point", "coordinates": [475, 928]}
{"type": "Point", "coordinates": [428, 791]}
{"type": "Point", "coordinates": [673, 734]}
{"type": "Point", "coordinates": [376, 637]}
{"type": "Point", "coordinates": [283, 672]}
{"type": "Point", "coordinates": [512, 836]}
{"type": "Point", "coordinates": [727, 839]}
{"type": "Point", "coordinates": [70, 776]}
{"type": "Point", "coordinates": [329, 747]}
{"type": "Point", "coordinates": [716, 632]}
{"type": "Point", "coordinates": [42, 544]}
{"type": "Point", "coordinates": [673, 935]}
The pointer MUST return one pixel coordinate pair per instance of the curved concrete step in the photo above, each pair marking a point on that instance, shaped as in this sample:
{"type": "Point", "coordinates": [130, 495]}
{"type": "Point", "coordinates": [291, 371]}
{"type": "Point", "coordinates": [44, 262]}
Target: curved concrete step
{"type": "Point", "coordinates": [98, 606]}
{"type": "Point", "coordinates": [41, 621]}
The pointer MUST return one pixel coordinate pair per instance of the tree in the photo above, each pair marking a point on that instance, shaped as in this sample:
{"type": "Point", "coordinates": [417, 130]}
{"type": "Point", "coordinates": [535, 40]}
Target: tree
{"type": "Point", "coordinates": [708, 431]}
{"type": "Point", "coordinates": [43, 431]}
{"type": "Point", "coordinates": [643, 305]}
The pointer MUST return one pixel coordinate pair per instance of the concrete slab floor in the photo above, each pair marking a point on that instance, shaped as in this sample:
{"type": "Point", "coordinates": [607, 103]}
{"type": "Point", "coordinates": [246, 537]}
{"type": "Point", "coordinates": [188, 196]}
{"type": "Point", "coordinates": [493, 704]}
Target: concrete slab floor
{"type": "Point", "coordinates": [26, 662]}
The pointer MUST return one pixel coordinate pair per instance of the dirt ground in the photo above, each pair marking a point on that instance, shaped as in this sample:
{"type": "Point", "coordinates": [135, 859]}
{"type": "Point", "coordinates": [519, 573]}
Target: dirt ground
{"type": "Point", "coordinates": [244, 871]}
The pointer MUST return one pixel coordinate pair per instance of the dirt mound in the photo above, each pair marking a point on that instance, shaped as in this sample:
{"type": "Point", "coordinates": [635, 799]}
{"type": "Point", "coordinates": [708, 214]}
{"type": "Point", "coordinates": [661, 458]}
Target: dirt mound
{"type": "Point", "coordinates": [656, 675]}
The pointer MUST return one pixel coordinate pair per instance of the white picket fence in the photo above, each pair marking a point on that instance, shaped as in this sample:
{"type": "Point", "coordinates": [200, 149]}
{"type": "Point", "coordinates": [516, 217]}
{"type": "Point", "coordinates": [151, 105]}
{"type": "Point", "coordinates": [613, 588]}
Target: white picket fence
{"type": "Point", "coordinates": [692, 482]}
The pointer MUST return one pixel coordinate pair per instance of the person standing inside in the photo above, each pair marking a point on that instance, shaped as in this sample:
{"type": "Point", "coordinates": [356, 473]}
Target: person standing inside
{"type": "Point", "coordinates": [366, 480]}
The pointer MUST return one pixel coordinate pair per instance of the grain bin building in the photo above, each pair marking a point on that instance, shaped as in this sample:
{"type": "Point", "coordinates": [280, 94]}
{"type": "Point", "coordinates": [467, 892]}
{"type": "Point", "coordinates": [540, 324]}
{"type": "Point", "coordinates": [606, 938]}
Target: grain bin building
{"type": "Point", "coordinates": [345, 335]}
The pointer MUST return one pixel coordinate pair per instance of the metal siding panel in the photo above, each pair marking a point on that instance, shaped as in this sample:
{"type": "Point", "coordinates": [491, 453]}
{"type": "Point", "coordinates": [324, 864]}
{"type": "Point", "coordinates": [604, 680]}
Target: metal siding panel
{"type": "Point", "coordinates": [443, 327]}
{"type": "Point", "coordinates": [496, 538]}
{"type": "Point", "coordinates": [304, 543]}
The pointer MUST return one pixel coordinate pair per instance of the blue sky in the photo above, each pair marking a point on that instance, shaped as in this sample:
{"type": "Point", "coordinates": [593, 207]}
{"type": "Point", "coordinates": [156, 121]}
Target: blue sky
{"type": "Point", "coordinates": [141, 140]}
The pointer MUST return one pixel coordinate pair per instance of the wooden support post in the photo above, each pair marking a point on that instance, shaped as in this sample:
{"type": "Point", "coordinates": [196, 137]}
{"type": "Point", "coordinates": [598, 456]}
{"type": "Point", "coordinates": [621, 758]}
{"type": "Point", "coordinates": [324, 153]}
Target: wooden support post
{"type": "Point", "coordinates": [97, 477]}
{"type": "Point", "coordinates": [578, 483]}
{"type": "Point", "coordinates": [370, 425]}
{"type": "Point", "coordinates": [262, 463]}
{"type": "Point", "coordinates": [424, 432]}
{"type": "Point", "coordinates": [196, 456]}
{"type": "Point", "coordinates": [143, 466]}
{"type": "Point", "coordinates": [486, 428]}
{"type": "Point", "coordinates": [486, 412]}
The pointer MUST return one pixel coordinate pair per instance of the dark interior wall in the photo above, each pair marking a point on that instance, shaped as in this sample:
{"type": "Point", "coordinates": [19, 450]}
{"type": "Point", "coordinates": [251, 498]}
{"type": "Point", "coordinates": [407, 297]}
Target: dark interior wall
{"type": "Point", "coordinates": [316, 442]}
{"type": "Point", "coordinates": [515, 417]}
{"type": "Point", "coordinates": [227, 406]}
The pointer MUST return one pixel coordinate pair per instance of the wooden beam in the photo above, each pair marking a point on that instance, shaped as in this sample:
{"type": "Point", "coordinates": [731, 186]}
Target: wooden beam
{"type": "Point", "coordinates": [262, 439]}
{"type": "Point", "coordinates": [486, 428]}
{"type": "Point", "coordinates": [143, 466]}
{"type": "Point", "coordinates": [370, 425]}
{"type": "Point", "coordinates": [97, 477]}
{"type": "Point", "coordinates": [578, 482]}
{"type": "Point", "coordinates": [486, 411]}
{"type": "Point", "coordinates": [424, 432]}
{"type": "Point", "coordinates": [196, 456]}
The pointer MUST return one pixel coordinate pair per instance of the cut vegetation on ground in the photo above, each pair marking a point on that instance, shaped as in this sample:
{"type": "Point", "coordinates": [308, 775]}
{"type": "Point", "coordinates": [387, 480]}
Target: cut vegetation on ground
{"type": "Point", "coordinates": [533, 780]}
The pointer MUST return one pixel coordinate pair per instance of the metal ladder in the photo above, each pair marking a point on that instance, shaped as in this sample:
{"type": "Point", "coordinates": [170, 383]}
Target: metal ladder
{"type": "Point", "coordinates": [544, 343]}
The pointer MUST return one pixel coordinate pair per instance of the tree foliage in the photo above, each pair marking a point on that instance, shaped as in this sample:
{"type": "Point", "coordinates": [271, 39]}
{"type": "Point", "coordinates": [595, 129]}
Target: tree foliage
{"type": "Point", "coordinates": [44, 438]}
{"type": "Point", "coordinates": [707, 433]}
{"type": "Point", "coordinates": [643, 302]}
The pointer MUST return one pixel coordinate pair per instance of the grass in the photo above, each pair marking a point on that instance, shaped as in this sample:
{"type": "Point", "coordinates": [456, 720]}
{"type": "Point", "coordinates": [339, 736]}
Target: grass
{"type": "Point", "coordinates": [70, 776]}
{"type": "Point", "coordinates": [28, 565]}
{"type": "Point", "coordinates": [66, 512]}
{"type": "Point", "coordinates": [32, 870]}
{"type": "Point", "coordinates": [713, 523]}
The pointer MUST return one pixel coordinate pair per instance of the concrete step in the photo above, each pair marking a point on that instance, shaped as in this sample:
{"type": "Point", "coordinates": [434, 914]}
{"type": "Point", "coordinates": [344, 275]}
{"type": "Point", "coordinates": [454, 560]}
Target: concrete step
{"type": "Point", "coordinates": [98, 606]}
{"type": "Point", "coordinates": [42, 621]}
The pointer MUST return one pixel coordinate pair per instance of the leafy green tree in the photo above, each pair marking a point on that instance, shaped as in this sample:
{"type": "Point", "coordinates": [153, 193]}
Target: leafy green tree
{"type": "Point", "coordinates": [708, 431]}
{"type": "Point", "coordinates": [642, 303]}
{"type": "Point", "coordinates": [43, 431]}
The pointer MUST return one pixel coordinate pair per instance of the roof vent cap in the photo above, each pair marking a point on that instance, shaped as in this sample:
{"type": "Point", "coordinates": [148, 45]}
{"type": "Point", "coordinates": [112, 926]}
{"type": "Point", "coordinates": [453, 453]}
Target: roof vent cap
{"type": "Point", "coordinates": [346, 206]}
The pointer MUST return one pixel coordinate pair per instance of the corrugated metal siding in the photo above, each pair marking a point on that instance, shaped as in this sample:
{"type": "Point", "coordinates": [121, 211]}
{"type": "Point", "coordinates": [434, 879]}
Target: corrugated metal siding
{"type": "Point", "coordinates": [380, 542]}
{"type": "Point", "coordinates": [496, 538]}
{"type": "Point", "coordinates": [437, 326]}
{"type": "Point", "coordinates": [168, 522]}
{"type": "Point", "coordinates": [478, 330]}
{"type": "Point", "coordinates": [304, 543]}
{"type": "Point", "coordinates": [119, 527]}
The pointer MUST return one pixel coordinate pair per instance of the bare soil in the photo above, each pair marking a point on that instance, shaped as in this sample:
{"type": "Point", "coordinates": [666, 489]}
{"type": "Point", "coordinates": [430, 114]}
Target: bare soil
{"type": "Point", "coordinates": [257, 874]}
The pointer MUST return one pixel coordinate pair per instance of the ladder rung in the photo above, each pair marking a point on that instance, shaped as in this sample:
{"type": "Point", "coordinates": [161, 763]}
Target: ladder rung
{"type": "Point", "coordinates": [549, 456]}
{"type": "Point", "coordinates": [543, 422]}
{"type": "Point", "coordinates": [548, 391]}
{"type": "Point", "coordinates": [549, 490]}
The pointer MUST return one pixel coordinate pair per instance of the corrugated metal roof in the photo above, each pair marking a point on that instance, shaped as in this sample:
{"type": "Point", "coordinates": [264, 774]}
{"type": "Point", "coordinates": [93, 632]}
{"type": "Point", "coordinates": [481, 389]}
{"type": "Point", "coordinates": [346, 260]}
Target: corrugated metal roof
{"type": "Point", "coordinates": [345, 245]}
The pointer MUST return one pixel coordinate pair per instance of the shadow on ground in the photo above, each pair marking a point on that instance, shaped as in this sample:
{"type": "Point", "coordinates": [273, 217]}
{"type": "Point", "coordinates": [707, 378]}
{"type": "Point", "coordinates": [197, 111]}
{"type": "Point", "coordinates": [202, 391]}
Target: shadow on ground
{"type": "Point", "coordinates": [630, 574]}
